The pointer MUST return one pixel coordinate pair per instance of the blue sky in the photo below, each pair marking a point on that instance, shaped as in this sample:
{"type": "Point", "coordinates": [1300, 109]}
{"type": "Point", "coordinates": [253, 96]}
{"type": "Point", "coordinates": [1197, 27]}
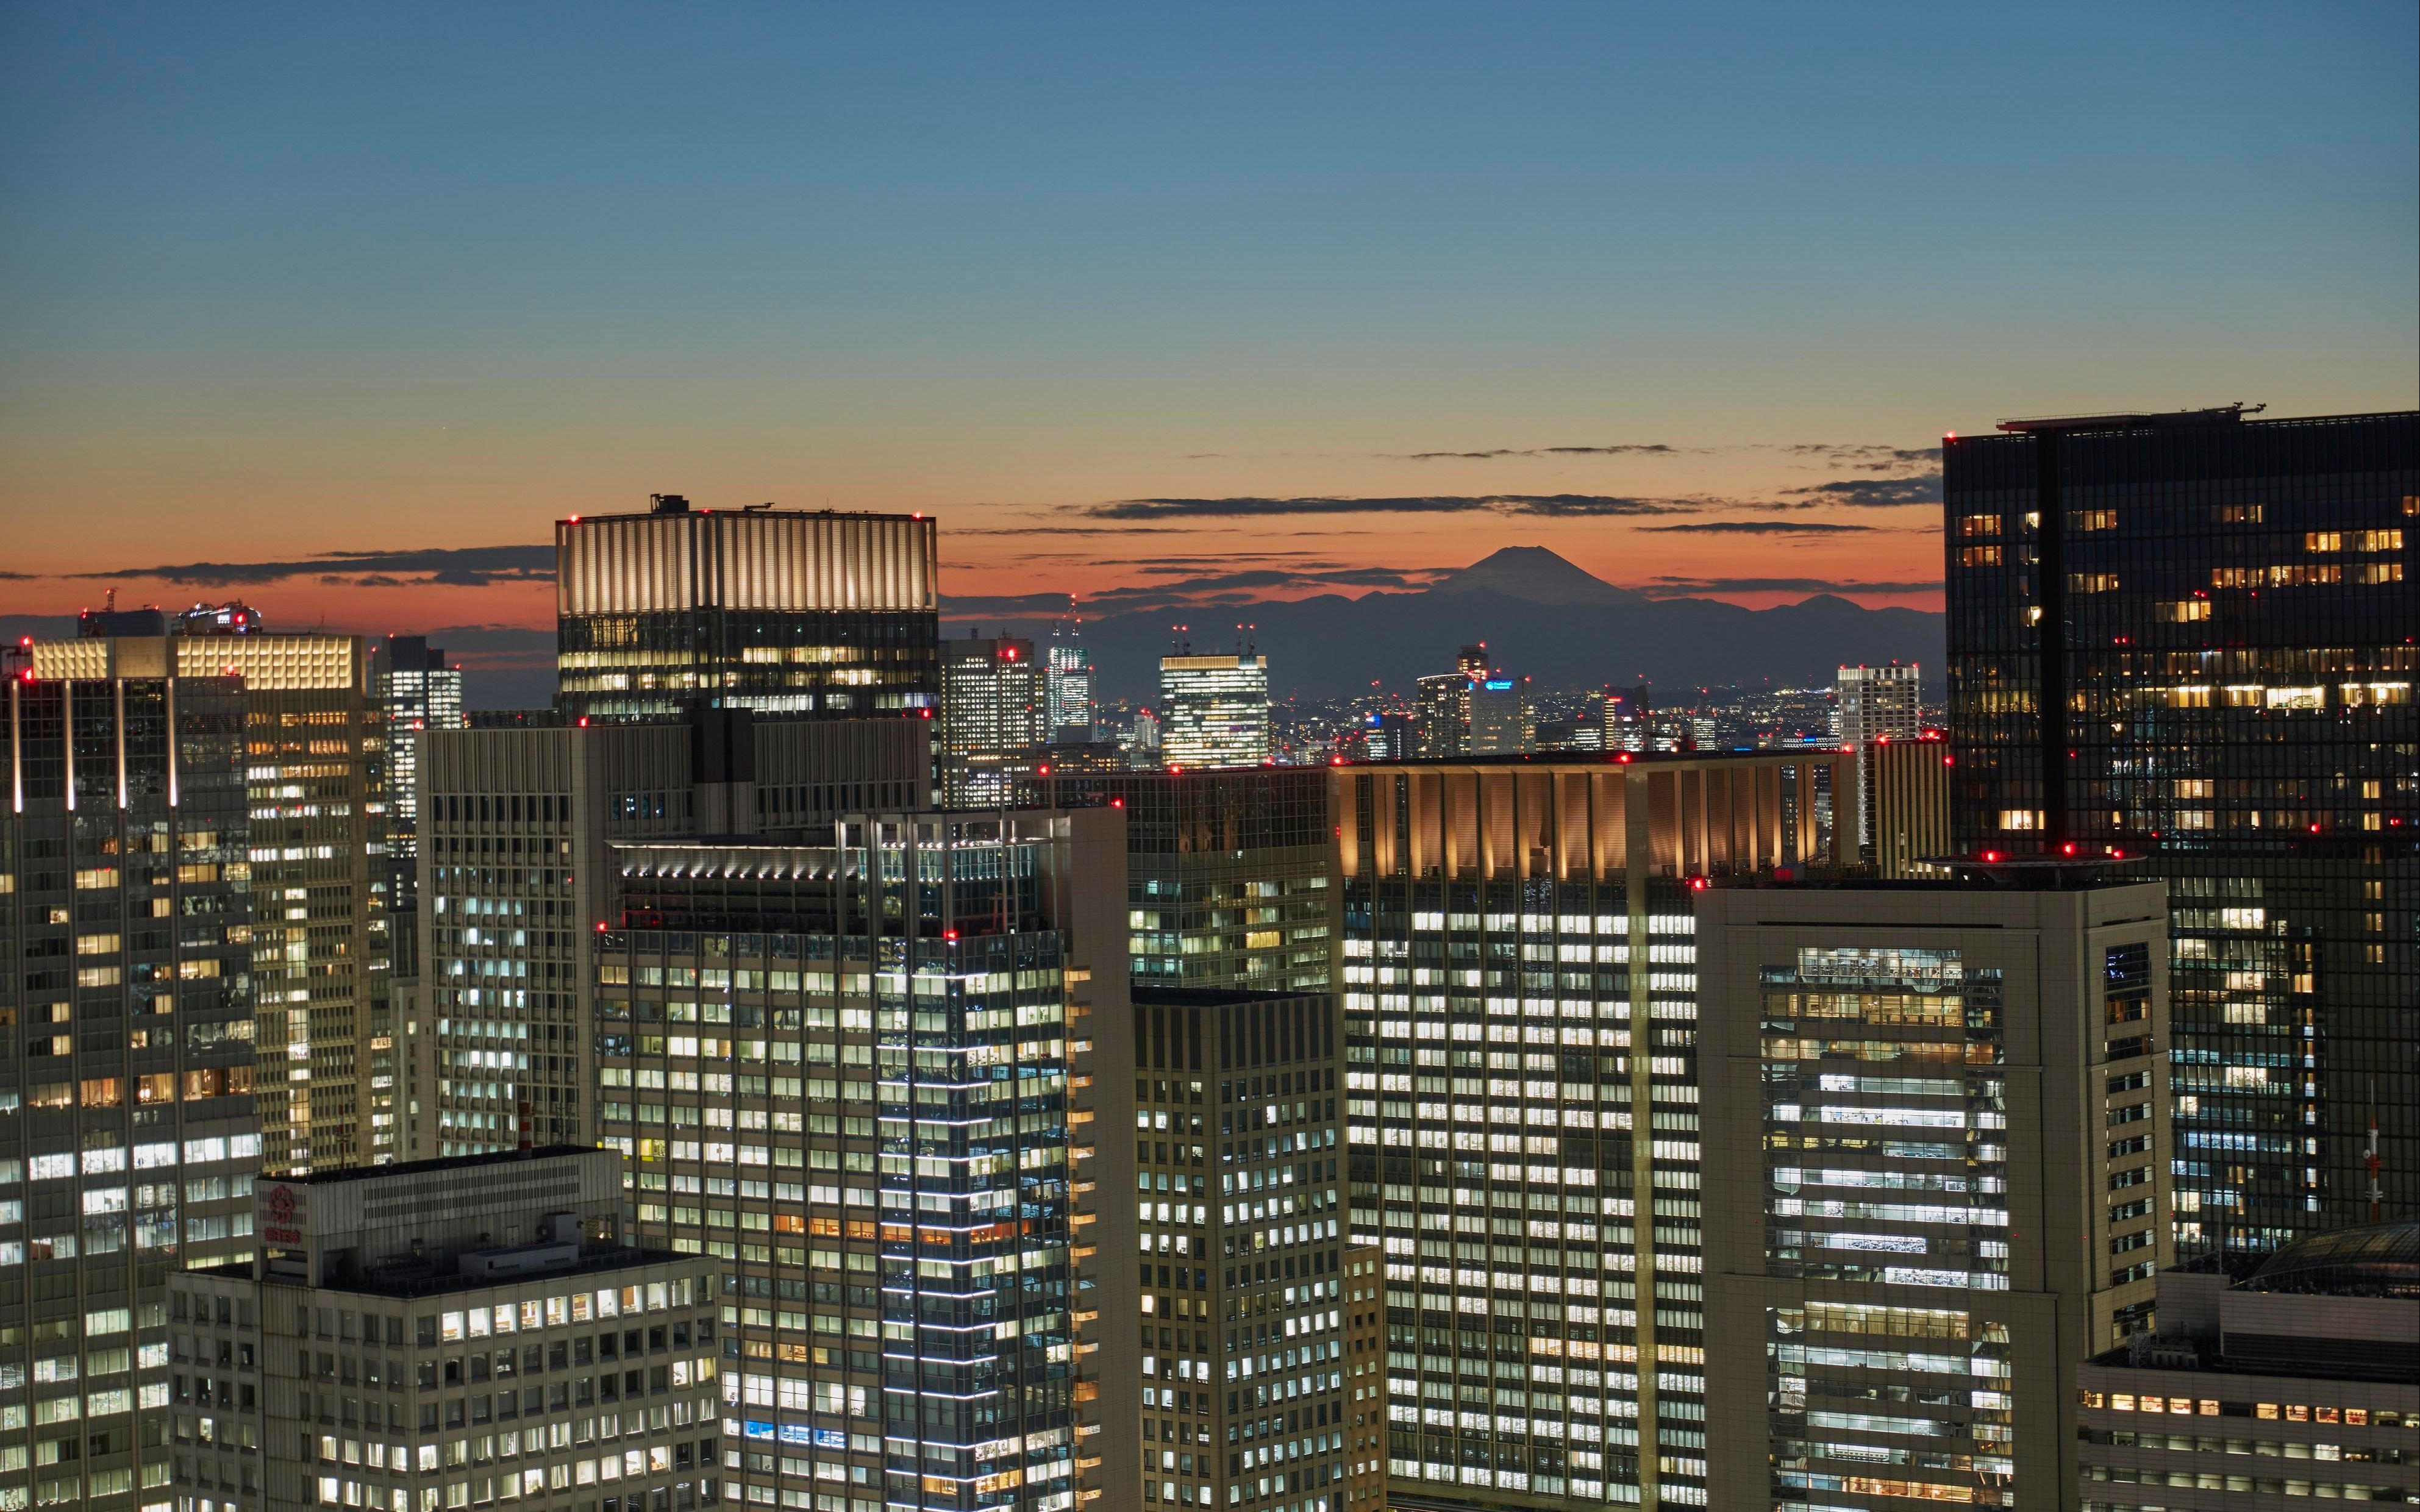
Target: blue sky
{"type": "Point", "coordinates": [287, 279]}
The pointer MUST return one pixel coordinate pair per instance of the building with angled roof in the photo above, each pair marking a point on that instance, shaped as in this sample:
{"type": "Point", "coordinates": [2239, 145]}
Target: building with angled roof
{"type": "Point", "coordinates": [2266, 1384]}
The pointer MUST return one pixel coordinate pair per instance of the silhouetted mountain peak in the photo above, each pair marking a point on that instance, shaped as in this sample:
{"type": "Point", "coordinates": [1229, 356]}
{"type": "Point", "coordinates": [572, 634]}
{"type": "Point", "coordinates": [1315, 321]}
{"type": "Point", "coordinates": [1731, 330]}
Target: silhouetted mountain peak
{"type": "Point", "coordinates": [1534, 574]}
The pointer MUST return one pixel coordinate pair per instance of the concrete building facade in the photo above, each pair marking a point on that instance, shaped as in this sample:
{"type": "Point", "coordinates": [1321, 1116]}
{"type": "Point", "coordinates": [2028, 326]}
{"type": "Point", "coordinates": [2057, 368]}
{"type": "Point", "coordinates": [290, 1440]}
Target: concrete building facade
{"type": "Point", "coordinates": [1937, 1177]}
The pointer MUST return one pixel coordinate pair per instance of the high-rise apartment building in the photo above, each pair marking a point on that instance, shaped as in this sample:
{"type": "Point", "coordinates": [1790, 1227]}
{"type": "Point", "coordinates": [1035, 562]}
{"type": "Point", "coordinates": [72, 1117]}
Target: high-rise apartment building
{"type": "Point", "coordinates": [127, 1137]}
{"type": "Point", "coordinates": [1441, 706]}
{"type": "Point", "coordinates": [993, 721]}
{"type": "Point", "coordinates": [517, 831]}
{"type": "Point", "coordinates": [1214, 710]}
{"type": "Point", "coordinates": [1502, 720]}
{"type": "Point", "coordinates": [843, 1069]}
{"type": "Point", "coordinates": [2266, 1386]}
{"type": "Point", "coordinates": [1227, 874]}
{"type": "Point", "coordinates": [314, 770]}
{"type": "Point", "coordinates": [417, 691]}
{"type": "Point", "coordinates": [1239, 1216]}
{"type": "Point", "coordinates": [2190, 636]}
{"type": "Point", "coordinates": [1068, 693]}
{"type": "Point", "coordinates": [1519, 972]}
{"type": "Point", "coordinates": [780, 611]}
{"type": "Point", "coordinates": [1908, 813]}
{"type": "Point", "coordinates": [458, 1332]}
{"type": "Point", "coordinates": [1936, 1177]}
{"type": "Point", "coordinates": [1873, 705]}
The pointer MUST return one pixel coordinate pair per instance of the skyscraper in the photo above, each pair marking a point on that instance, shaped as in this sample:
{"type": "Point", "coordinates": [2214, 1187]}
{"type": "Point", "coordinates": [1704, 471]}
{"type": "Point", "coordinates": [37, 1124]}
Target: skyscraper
{"type": "Point", "coordinates": [1936, 1177]}
{"type": "Point", "coordinates": [1501, 721]}
{"type": "Point", "coordinates": [418, 691]}
{"type": "Point", "coordinates": [2190, 636]}
{"type": "Point", "coordinates": [1519, 974]}
{"type": "Point", "coordinates": [517, 833]}
{"type": "Point", "coordinates": [1441, 705]}
{"type": "Point", "coordinates": [779, 610]}
{"type": "Point", "coordinates": [314, 768]}
{"type": "Point", "coordinates": [1874, 704]}
{"type": "Point", "coordinates": [992, 722]}
{"type": "Point", "coordinates": [127, 1137]}
{"type": "Point", "coordinates": [1241, 1251]}
{"type": "Point", "coordinates": [1214, 710]}
{"type": "Point", "coordinates": [1908, 784]}
{"type": "Point", "coordinates": [1227, 874]}
{"type": "Point", "coordinates": [1068, 694]}
{"type": "Point", "coordinates": [1623, 714]}
{"type": "Point", "coordinates": [843, 1069]}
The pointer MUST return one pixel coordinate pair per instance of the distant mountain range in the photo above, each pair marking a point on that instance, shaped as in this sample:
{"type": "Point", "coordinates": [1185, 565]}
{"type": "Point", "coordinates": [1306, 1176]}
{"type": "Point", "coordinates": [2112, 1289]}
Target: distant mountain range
{"type": "Point", "coordinates": [1539, 614]}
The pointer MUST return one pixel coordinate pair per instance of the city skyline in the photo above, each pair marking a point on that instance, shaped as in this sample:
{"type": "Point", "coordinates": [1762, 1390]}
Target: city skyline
{"type": "Point", "coordinates": [1651, 292]}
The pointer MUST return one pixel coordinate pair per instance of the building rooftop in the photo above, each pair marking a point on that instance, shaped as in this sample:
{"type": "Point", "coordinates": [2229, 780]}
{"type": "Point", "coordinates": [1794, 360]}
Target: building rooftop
{"type": "Point", "coordinates": [2380, 1261]}
{"type": "Point", "coordinates": [2225, 414]}
{"type": "Point", "coordinates": [415, 1167]}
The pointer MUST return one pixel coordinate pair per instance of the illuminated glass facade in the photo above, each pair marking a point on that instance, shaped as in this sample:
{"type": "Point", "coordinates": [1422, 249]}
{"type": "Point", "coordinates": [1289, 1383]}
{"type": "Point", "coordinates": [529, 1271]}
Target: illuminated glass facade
{"type": "Point", "coordinates": [1227, 874]}
{"type": "Point", "coordinates": [2192, 636]}
{"type": "Point", "coordinates": [1520, 986]}
{"type": "Point", "coordinates": [1936, 1177]}
{"type": "Point", "coordinates": [1214, 711]}
{"type": "Point", "coordinates": [779, 610]}
{"type": "Point", "coordinates": [127, 1138]}
{"type": "Point", "coordinates": [992, 721]}
{"type": "Point", "coordinates": [843, 1070]}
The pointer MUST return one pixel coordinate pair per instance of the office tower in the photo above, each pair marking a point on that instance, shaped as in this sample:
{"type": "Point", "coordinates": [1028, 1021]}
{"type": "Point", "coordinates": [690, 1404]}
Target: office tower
{"type": "Point", "coordinates": [1909, 781]}
{"type": "Point", "coordinates": [1936, 1177]}
{"type": "Point", "coordinates": [775, 609]}
{"type": "Point", "coordinates": [1623, 716]}
{"type": "Point", "coordinates": [1520, 1005]}
{"type": "Point", "coordinates": [992, 721]}
{"type": "Point", "coordinates": [1068, 695]}
{"type": "Point", "coordinates": [1227, 881]}
{"type": "Point", "coordinates": [2190, 636]}
{"type": "Point", "coordinates": [314, 757]}
{"type": "Point", "coordinates": [1441, 705]}
{"type": "Point", "coordinates": [459, 1333]}
{"type": "Point", "coordinates": [855, 1094]}
{"type": "Point", "coordinates": [1501, 717]}
{"type": "Point", "coordinates": [1239, 1198]}
{"type": "Point", "coordinates": [1142, 739]}
{"type": "Point", "coordinates": [1216, 710]}
{"type": "Point", "coordinates": [2298, 1381]}
{"type": "Point", "coordinates": [1389, 737]}
{"type": "Point", "coordinates": [518, 826]}
{"type": "Point", "coordinates": [1874, 704]}
{"type": "Point", "coordinates": [418, 691]}
{"type": "Point", "coordinates": [128, 1139]}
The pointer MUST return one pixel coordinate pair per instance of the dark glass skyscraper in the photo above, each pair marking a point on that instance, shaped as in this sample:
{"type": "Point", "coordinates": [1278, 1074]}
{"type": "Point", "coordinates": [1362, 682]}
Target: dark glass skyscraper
{"type": "Point", "coordinates": [2194, 635]}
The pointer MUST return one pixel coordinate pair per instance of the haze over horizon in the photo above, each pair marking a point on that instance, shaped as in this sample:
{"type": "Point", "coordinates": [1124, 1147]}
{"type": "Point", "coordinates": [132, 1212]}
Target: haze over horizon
{"type": "Point", "coordinates": [330, 310]}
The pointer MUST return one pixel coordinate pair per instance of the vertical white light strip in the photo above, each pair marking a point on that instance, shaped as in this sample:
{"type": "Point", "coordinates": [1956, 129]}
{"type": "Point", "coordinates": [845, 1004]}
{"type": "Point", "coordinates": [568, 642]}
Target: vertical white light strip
{"type": "Point", "coordinates": [17, 744]}
{"type": "Point", "coordinates": [67, 732]}
{"type": "Point", "coordinates": [118, 694]}
{"type": "Point", "coordinates": [172, 737]}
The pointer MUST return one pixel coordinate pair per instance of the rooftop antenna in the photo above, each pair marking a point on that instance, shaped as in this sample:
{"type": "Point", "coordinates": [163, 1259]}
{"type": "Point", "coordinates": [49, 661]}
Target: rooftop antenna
{"type": "Point", "coordinates": [109, 602]}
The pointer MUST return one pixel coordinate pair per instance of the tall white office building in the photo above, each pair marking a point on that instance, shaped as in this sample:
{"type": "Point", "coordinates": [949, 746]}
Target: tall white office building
{"type": "Point", "coordinates": [1874, 705]}
{"type": "Point", "coordinates": [1067, 688]}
